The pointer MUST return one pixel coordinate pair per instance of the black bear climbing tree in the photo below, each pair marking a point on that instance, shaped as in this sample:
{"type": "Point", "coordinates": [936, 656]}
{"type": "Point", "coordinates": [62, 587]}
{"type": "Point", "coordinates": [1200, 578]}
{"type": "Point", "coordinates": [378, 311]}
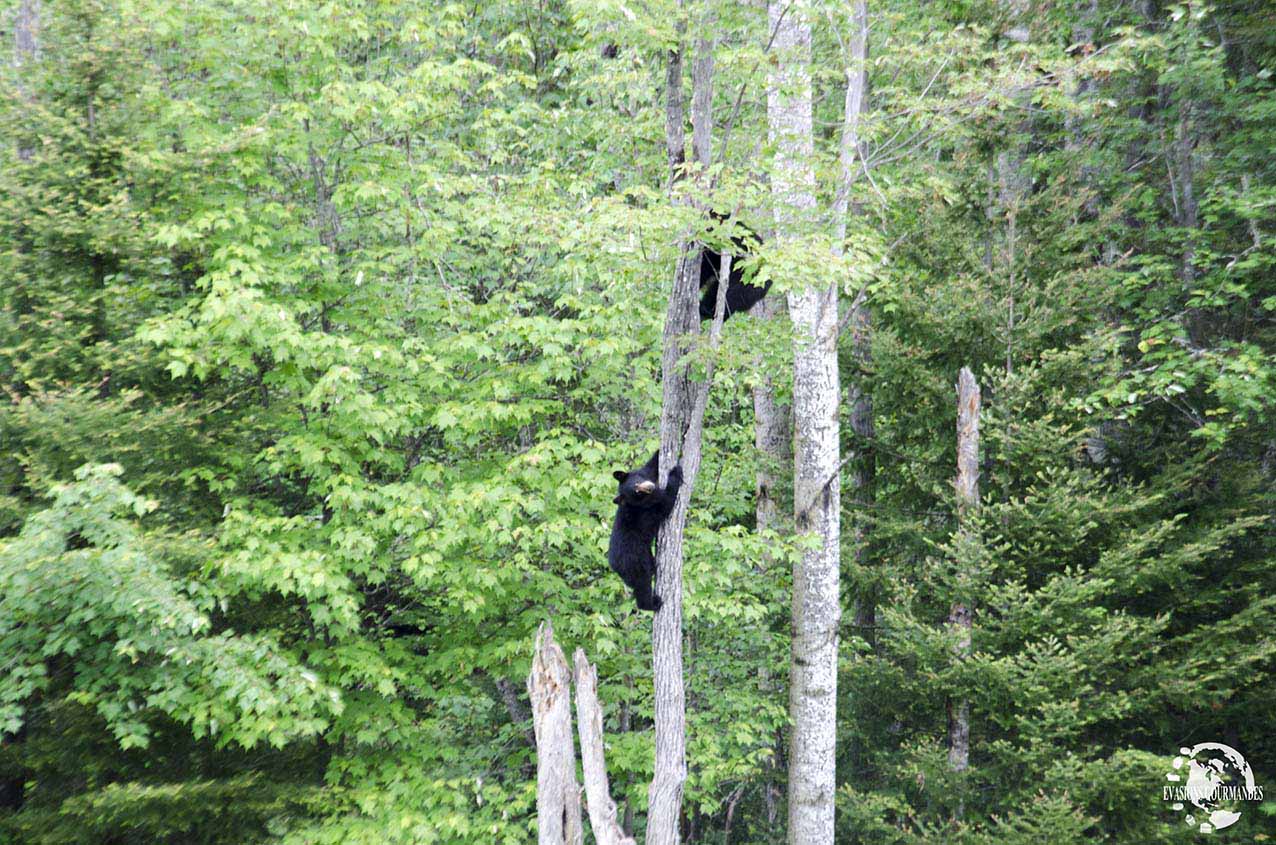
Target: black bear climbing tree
{"type": "Point", "coordinates": [681, 433]}
{"type": "Point", "coordinates": [325, 327]}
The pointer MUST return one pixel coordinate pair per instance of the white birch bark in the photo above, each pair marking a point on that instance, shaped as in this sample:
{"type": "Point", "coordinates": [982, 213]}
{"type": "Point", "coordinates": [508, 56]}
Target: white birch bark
{"type": "Point", "coordinates": [816, 605]}
{"type": "Point", "coordinates": [557, 793]}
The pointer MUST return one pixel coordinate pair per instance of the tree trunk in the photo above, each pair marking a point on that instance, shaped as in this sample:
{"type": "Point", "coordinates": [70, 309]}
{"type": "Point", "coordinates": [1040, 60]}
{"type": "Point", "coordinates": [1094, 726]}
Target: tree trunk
{"type": "Point", "coordinates": [962, 613]}
{"type": "Point", "coordinates": [557, 793]}
{"type": "Point", "coordinates": [1013, 182]}
{"type": "Point", "coordinates": [589, 718]}
{"type": "Point", "coordinates": [665, 793]}
{"type": "Point", "coordinates": [26, 49]}
{"type": "Point", "coordinates": [517, 712]}
{"type": "Point", "coordinates": [773, 437]}
{"type": "Point", "coordinates": [1184, 158]}
{"type": "Point", "coordinates": [863, 469]}
{"type": "Point", "coordinates": [681, 432]}
{"type": "Point", "coordinates": [1077, 140]}
{"type": "Point", "coordinates": [816, 607]}
{"type": "Point", "coordinates": [864, 465]}
{"type": "Point", "coordinates": [772, 427]}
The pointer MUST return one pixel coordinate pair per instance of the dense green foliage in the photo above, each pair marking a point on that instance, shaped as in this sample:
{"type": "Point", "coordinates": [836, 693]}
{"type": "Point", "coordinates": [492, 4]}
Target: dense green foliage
{"type": "Point", "coordinates": [322, 327]}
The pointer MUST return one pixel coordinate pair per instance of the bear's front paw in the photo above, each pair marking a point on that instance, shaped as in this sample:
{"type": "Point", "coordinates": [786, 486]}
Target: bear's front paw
{"type": "Point", "coordinates": [656, 603]}
{"type": "Point", "coordinates": [675, 475]}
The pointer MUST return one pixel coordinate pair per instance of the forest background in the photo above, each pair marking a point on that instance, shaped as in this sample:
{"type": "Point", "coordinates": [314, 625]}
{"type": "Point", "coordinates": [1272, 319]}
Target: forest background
{"type": "Point", "coordinates": [324, 325]}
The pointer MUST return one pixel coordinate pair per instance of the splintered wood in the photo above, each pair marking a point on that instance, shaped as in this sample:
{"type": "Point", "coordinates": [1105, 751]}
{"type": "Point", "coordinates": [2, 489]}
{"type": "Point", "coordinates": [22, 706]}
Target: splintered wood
{"type": "Point", "coordinates": [557, 794]}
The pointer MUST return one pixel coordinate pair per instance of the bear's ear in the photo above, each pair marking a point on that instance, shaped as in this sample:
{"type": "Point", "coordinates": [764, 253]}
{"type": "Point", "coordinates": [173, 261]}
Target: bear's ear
{"type": "Point", "coordinates": [620, 475]}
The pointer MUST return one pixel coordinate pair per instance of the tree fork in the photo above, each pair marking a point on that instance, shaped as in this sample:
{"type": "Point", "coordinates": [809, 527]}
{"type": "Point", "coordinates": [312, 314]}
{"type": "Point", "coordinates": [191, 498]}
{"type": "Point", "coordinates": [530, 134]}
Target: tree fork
{"type": "Point", "coordinates": [681, 432]}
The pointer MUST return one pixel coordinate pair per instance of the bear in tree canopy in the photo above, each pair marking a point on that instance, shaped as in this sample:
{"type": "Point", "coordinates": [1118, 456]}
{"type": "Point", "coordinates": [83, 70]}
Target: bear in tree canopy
{"type": "Point", "coordinates": [742, 294]}
{"type": "Point", "coordinates": [642, 507]}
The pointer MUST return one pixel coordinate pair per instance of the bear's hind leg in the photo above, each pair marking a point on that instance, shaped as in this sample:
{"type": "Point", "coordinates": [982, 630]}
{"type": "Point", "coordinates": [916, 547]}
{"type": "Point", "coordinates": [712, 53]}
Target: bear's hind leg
{"type": "Point", "coordinates": [647, 600]}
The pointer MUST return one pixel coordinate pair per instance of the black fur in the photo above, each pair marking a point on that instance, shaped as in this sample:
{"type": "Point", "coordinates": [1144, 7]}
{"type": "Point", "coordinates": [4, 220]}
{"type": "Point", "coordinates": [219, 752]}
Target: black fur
{"type": "Point", "coordinates": [741, 294]}
{"type": "Point", "coordinates": [642, 508]}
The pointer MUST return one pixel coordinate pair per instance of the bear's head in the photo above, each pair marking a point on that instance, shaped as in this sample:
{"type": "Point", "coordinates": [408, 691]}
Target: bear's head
{"type": "Point", "coordinates": [636, 488]}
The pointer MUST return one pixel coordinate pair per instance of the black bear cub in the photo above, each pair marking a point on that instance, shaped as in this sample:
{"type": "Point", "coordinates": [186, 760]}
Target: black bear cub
{"type": "Point", "coordinates": [741, 295]}
{"type": "Point", "coordinates": [642, 508]}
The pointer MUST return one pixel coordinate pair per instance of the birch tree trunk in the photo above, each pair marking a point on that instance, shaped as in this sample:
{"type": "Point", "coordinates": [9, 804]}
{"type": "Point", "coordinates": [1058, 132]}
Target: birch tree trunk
{"type": "Point", "coordinates": [961, 614]}
{"type": "Point", "coordinates": [557, 794]}
{"type": "Point", "coordinates": [816, 607]}
{"type": "Point", "coordinates": [589, 718]}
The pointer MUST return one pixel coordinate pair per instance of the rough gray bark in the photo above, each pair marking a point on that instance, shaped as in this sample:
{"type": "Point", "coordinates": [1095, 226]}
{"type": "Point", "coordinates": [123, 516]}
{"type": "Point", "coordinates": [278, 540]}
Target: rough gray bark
{"type": "Point", "coordinates": [1188, 206]}
{"type": "Point", "coordinates": [557, 793]}
{"type": "Point", "coordinates": [1256, 238]}
{"type": "Point", "coordinates": [773, 437]}
{"type": "Point", "coordinates": [1077, 141]}
{"type": "Point", "coordinates": [772, 427]}
{"type": "Point", "coordinates": [849, 154]}
{"type": "Point", "coordinates": [864, 465]}
{"type": "Point", "coordinates": [816, 607]}
{"type": "Point", "coordinates": [26, 49]}
{"type": "Point", "coordinates": [961, 613]}
{"type": "Point", "coordinates": [26, 32]}
{"type": "Point", "coordinates": [675, 131]}
{"type": "Point", "coordinates": [852, 161]}
{"type": "Point", "coordinates": [1183, 153]}
{"type": "Point", "coordinates": [682, 410]}
{"type": "Point", "coordinates": [1012, 180]}
{"type": "Point", "coordinates": [1012, 187]}
{"type": "Point", "coordinates": [517, 712]}
{"type": "Point", "coordinates": [589, 719]}
{"type": "Point", "coordinates": [702, 96]}
{"type": "Point", "coordinates": [665, 793]}
{"type": "Point", "coordinates": [664, 797]}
